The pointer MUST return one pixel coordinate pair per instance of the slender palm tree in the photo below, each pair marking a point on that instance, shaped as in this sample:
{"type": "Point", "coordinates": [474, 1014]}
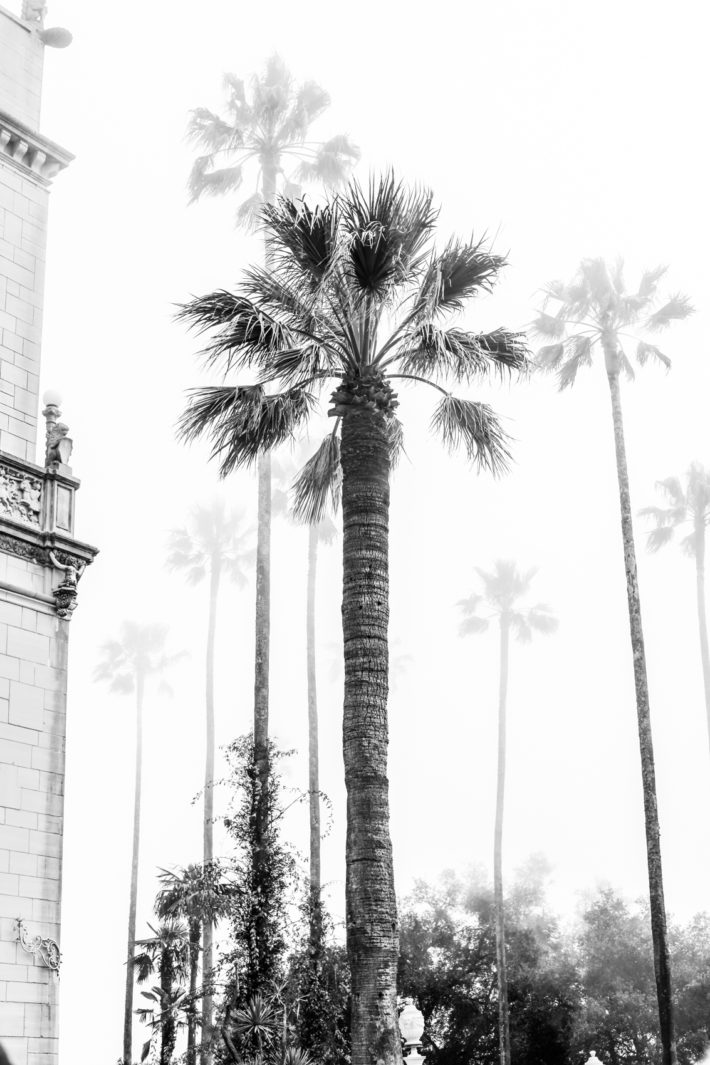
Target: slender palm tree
{"type": "Point", "coordinates": [126, 665]}
{"type": "Point", "coordinates": [689, 506]}
{"type": "Point", "coordinates": [166, 953]}
{"type": "Point", "coordinates": [502, 591]}
{"type": "Point", "coordinates": [197, 895]}
{"type": "Point", "coordinates": [267, 132]}
{"type": "Point", "coordinates": [213, 545]}
{"type": "Point", "coordinates": [595, 310]}
{"type": "Point", "coordinates": [355, 294]}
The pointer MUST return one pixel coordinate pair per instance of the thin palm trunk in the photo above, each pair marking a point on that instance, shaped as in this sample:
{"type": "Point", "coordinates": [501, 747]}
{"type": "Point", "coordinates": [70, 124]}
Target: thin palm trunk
{"type": "Point", "coordinates": [501, 966]}
{"type": "Point", "coordinates": [130, 948]}
{"type": "Point", "coordinates": [208, 825]}
{"type": "Point", "coordinates": [194, 952]}
{"type": "Point", "coordinates": [702, 618]}
{"type": "Point", "coordinates": [661, 955]}
{"type": "Point", "coordinates": [371, 910]}
{"type": "Point", "coordinates": [261, 665]}
{"type": "Point", "coordinates": [168, 1027]}
{"type": "Point", "coordinates": [313, 775]}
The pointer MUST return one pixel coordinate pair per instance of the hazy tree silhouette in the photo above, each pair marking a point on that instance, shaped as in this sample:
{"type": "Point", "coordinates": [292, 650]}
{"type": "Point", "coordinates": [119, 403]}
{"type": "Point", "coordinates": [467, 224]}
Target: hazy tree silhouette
{"type": "Point", "coordinates": [595, 310]}
{"type": "Point", "coordinates": [215, 544]}
{"type": "Point", "coordinates": [166, 954]}
{"type": "Point", "coordinates": [126, 665]}
{"type": "Point", "coordinates": [500, 601]}
{"type": "Point", "coordinates": [340, 276]}
{"type": "Point", "coordinates": [688, 506]}
{"type": "Point", "coordinates": [265, 130]}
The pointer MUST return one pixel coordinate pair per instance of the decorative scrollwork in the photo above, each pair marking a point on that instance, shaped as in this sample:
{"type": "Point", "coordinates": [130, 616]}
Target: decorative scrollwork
{"type": "Point", "coordinates": [45, 949]}
{"type": "Point", "coordinates": [20, 495]}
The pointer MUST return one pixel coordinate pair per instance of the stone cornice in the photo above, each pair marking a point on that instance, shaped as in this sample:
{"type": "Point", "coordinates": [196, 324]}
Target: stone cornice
{"type": "Point", "coordinates": [32, 153]}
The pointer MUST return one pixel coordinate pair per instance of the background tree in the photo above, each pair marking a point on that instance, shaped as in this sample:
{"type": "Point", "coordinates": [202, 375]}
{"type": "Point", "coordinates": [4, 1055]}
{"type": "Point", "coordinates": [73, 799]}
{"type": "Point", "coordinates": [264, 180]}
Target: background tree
{"type": "Point", "coordinates": [268, 128]}
{"type": "Point", "coordinates": [595, 310]}
{"type": "Point", "coordinates": [337, 274]}
{"type": "Point", "coordinates": [198, 895]}
{"type": "Point", "coordinates": [502, 591]}
{"type": "Point", "coordinates": [214, 544]}
{"type": "Point", "coordinates": [165, 952]}
{"type": "Point", "coordinates": [126, 665]}
{"type": "Point", "coordinates": [688, 506]}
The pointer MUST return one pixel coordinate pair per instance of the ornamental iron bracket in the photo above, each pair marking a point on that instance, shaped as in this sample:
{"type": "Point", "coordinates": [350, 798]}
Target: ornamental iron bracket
{"type": "Point", "coordinates": [45, 949]}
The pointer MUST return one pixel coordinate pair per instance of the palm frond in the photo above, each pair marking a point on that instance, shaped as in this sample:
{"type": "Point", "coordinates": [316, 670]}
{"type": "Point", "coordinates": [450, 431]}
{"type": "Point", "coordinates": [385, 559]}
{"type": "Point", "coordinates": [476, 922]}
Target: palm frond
{"type": "Point", "coordinates": [581, 355]}
{"type": "Point", "coordinates": [689, 546]}
{"type": "Point", "coordinates": [649, 282]}
{"type": "Point", "coordinates": [387, 229]}
{"type": "Point", "coordinates": [205, 182]}
{"type": "Point", "coordinates": [242, 422]}
{"type": "Point", "coordinates": [302, 238]}
{"type": "Point", "coordinates": [676, 309]}
{"type": "Point", "coordinates": [475, 426]}
{"type": "Point", "coordinates": [646, 351]}
{"type": "Point", "coordinates": [541, 619]}
{"type": "Point", "coordinates": [548, 326]}
{"type": "Point", "coordinates": [316, 489]}
{"type": "Point", "coordinates": [246, 335]}
{"type": "Point", "coordinates": [207, 130]}
{"type": "Point", "coordinates": [463, 356]}
{"type": "Point", "coordinates": [659, 537]}
{"type": "Point", "coordinates": [461, 271]}
{"type": "Point", "coordinates": [550, 356]}
{"type": "Point", "coordinates": [473, 626]}
{"type": "Point", "coordinates": [395, 432]}
{"type": "Point", "coordinates": [334, 160]}
{"type": "Point", "coordinates": [249, 212]}
{"type": "Point", "coordinates": [626, 366]}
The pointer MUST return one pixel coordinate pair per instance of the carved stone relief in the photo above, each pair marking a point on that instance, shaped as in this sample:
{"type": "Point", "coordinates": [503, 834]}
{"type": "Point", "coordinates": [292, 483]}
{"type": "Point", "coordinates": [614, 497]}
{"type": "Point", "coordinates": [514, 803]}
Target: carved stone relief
{"type": "Point", "coordinates": [20, 496]}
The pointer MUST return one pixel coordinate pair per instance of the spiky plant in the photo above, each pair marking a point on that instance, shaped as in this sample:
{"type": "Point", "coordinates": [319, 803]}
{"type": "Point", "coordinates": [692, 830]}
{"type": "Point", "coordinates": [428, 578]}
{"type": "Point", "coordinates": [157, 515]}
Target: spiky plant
{"type": "Point", "coordinates": [126, 665]}
{"type": "Point", "coordinates": [266, 131]}
{"type": "Point", "coordinates": [503, 588]}
{"type": "Point", "coordinates": [595, 311]}
{"type": "Point", "coordinates": [356, 296]}
{"type": "Point", "coordinates": [688, 507]}
{"type": "Point", "coordinates": [214, 544]}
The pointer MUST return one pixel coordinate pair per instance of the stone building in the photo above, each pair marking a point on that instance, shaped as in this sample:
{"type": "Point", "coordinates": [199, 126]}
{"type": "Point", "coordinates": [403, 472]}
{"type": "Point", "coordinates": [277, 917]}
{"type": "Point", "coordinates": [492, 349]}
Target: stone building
{"type": "Point", "coordinates": [40, 563]}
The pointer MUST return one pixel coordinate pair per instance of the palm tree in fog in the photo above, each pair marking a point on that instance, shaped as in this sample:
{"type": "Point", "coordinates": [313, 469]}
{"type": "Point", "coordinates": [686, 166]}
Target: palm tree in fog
{"type": "Point", "coordinates": [126, 665]}
{"type": "Point", "coordinates": [500, 601]}
{"type": "Point", "coordinates": [355, 294]}
{"type": "Point", "coordinates": [213, 545]}
{"type": "Point", "coordinates": [596, 311]}
{"type": "Point", "coordinates": [164, 954]}
{"type": "Point", "coordinates": [687, 507]}
{"type": "Point", "coordinates": [265, 130]}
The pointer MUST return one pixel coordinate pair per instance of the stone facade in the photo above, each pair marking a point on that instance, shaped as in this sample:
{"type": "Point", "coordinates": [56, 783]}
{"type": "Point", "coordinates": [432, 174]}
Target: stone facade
{"type": "Point", "coordinates": [40, 564]}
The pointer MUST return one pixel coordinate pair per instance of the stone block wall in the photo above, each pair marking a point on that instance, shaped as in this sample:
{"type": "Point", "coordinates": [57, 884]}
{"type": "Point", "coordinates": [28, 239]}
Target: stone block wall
{"type": "Point", "coordinates": [33, 650]}
{"type": "Point", "coordinates": [23, 215]}
{"type": "Point", "coordinates": [21, 59]}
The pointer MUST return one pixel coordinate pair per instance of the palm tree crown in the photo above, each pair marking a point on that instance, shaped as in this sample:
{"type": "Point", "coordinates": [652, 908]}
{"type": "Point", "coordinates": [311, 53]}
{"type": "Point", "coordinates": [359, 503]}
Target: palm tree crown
{"type": "Point", "coordinates": [340, 274]}
{"type": "Point", "coordinates": [137, 654]}
{"type": "Point", "coordinates": [502, 590]}
{"type": "Point", "coordinates": [596, 307]}
{"type": "Point", "coordinates": [271, 128]}
{"type": "Point", "coordinates": [212, 538]}
{"type": "Point", "coordinates": [686, 506]}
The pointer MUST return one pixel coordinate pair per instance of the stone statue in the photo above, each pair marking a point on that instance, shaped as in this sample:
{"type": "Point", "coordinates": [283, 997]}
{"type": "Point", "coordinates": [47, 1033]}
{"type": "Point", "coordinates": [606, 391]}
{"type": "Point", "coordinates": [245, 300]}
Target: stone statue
{"type": "Point", "coordinates": [59, 445]}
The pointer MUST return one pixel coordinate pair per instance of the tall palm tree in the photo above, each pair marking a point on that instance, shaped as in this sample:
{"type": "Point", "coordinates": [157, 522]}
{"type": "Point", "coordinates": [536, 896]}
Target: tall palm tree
{"type": "Point", "coordinates": [595, 310]}
{"type": "Point", "coordinates": [165, 952]}
{"type": "Point", "coordinates": [355, 294]}
{"type": "Point", "coordinates": [689, 506]}
{"type": "Point", "coordinates": [126, 665]}
{"type": "Point", "coordinates": [213, 545]}
{"type": "Point", "coordinates": [196, 895]}
{"type": "Point", "coordinates": [269, 129]}
{"type": "Point", "coordinates": [502, 591]}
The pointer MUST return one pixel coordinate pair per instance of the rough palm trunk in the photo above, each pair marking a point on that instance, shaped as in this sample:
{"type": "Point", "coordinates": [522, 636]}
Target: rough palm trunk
{"type": "Point", "coordinates": [208, 825]}
{"type": "Point", "coordinates": [194, 954]}
{"type": "Point", "coordinates": [661, 956]}
{"type": "Point", "coordinates": [130, 948]}
{"type": "Point", "coordinates": [313, 775]}
{"type": "Point", "coordinates": [702, 618]}
{"type": "Point", "coordinates": [371, 911]}
{"type": "Point", "coordinates": [501, 966]}
{"type": "Point", "coordinates": [168, 1027]}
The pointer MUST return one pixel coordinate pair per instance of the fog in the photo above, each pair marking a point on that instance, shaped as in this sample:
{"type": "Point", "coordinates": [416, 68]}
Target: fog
{"type": "Point", "coordinates": [562, 130]}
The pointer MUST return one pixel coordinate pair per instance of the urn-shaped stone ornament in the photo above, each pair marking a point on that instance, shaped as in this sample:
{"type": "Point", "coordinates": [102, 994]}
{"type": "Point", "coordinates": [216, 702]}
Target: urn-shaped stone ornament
{"type": "Point", "coordinates": [411, 1026]}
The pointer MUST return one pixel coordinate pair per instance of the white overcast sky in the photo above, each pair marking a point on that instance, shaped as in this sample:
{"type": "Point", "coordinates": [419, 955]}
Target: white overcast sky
{"type": "Point", "coordinates": [565, 129]}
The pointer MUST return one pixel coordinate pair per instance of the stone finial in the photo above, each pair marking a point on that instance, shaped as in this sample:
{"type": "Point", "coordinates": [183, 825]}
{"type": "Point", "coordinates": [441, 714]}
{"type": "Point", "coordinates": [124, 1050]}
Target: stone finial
{"type": "Point", "coordinates": [59, 445]}
{"type": "Point", "coordinates": [411, 1027]}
